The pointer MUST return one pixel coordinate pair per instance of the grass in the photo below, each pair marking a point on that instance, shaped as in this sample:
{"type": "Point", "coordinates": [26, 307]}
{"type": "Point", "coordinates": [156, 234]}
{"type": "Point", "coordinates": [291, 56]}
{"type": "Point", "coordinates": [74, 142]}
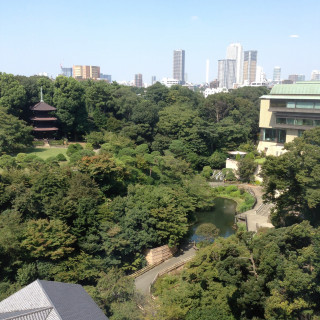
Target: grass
{"type": "Point", "coordinates": [45, 153]}
{"type": "Point", "coordinates": [260, 161]}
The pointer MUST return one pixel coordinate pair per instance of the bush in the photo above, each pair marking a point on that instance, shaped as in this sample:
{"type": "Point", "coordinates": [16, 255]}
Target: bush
{"type": "Point", "coordinates": [73, 148]}
{"type": "Point", "coordinates": [228, 174]}
{"type": "Point", "coordinates": [217, 160]}
{"type": "Point", "coordinates": [7, 161]}
{"type": "Point", "coordinates": [56, 142]}
{"type": "Point", "coordinates": [246, 169]}
{"type": "Point", "coordinates": [96, 139]}
{"type": "Point", "coordinates": [206, 172]}
{"type": "Point", "coordinates": [37, 143]}
{"type": "Point", "coordinates": [77, 156]}
{"type": "Point", "coordinates": [61, 157]}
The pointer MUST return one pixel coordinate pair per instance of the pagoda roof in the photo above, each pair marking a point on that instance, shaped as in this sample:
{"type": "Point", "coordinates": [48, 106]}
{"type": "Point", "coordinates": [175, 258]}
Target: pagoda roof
{"type": "Point", "coordinates": [42, 106]}
{"type": "Point", "coordinates": [45, 129]}
{"type": "Point", "coordinates": [43, 119]}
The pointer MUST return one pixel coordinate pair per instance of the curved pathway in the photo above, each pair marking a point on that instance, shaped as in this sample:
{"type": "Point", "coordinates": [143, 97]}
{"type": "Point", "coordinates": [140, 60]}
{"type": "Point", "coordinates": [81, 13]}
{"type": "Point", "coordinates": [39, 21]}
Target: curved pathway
{"type": "Point", "coordinates": [144, 281]}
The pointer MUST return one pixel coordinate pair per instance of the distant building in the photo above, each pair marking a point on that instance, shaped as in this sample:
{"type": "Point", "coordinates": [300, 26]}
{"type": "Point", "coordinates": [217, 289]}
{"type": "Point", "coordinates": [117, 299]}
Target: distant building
{"type": "Point", "coordinates": [50, 300]}
{"type": "Point", "coordinates": [315, 75]}
{"type": "Point", "coordinates": [168, 82]}
{"type": "Point", "coordinates": [250, 66]}
{"type": "Point", "coordinates": [138, 80]}
{"type": "Point", "coordinates": [106, 77]}
{"type": "Point", "coordinates": [287, 81]}
{"type": "Point", "coordinates": [210, 91]}
{"type": "Point", "coordinates": [260, 75]}
{"type": "Point", "coordinates": [179, 66]}
{"type": "Point", "coordinates": [235, 52]}
{"type": "Point", "coordinates": [296, 77]}
{"type": "Point", "coordinates": [286, 112]}
{"type": "Point", "coordinates": [226, 73]}
{"type": "Point", "coordinates": [85, 72]}
{"type": "Point", "coordinates": [153, 80]}
{"type": "Point", "coordinates": [277, 74]}
{"type": "Point", "coordinates": [67, 72]}
{"type": "Point", "coordinates": [214, 84]}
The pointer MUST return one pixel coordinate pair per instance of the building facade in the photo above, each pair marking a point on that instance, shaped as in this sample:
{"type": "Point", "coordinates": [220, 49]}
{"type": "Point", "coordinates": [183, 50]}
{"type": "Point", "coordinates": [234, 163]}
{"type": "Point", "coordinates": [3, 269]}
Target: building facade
{"type": "Point", "coordinates": [138, 80]}
{"type": "Point", "coordinates": [106, 77]}
{"type": "Point", "coordinates": [235, 52]}
{"type": "Point", "coordinates": [226, 73]}
{"type": "Point", "coordinates": [286, 112]}
{"type": "Point", "coordinates": [249, 66]}
{"type": "Point", "coordinates": [315, 75]}
{"type": "Point", "coordinates": [85, 72]}
{"type": "Point", "coordinates": [296, 77]}
{"type": "Point", "coordinates": [179, 65]}
{"type": "Point", "coordinates": [67, 72]}
{"type": "Point", "coordinates": [277, 74]}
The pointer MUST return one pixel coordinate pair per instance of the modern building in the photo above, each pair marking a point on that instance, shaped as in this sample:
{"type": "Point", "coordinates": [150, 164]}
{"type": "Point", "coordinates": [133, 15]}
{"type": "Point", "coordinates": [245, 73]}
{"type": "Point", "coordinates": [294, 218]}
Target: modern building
{"type": "Point", "coordinates": [67, 72]}
{"type": "Point", "coordinates": [85, 72]}
{"type": "Point", "coordinates": [235, 52]}
{"type": "Point", "coordinates": [179, 66]}
{"type": "Point", "coordinates": [296, 77]}
{"type": "Point", "coordinates": [168, 82]}
{"type": "Point", "coordinates": [315, 75]}
{"type": "Point", "coordinates": [286, 112]}
{"type": "Point", "coordinates": [227, 73]}
{"type": "Point", "coordinates": [106, 77]}
{"type": "Point", "coordinates": [50, 300]}
{"type": "Point", "coordinates": [153, 80]}
{"type": "Point", "coordinates": [43, 120]}
{"type": "Point", "coordinates": [260, 75]}
{"type": "Point", "coordinates": [249, 66]}
{"type": "Point", "coordinates": [210, 91]}
{"type": "Point", "coordinates": [138, 80]}
{"type": "Point", "coordinates": [277, 74]}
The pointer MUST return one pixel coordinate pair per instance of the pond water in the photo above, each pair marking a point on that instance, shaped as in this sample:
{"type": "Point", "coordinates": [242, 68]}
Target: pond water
{"type": "Point", "coordinates": [222, 216]}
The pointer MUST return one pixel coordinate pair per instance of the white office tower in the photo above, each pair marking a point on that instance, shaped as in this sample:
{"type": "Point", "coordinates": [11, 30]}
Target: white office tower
{"type": "Point", "coordinates": [235, 52]}
{"type": "Point", "coordinates": [226, 73]}
{"type": "Point", "coordinates": [277, 74]}
{"type": "Point", "coordinates": [260, 75]}
{"type": "Point", "coordinates": [207, 70]}
{"type": "Point", "coordinates": [179, 65]}
{"type": "Point", "coordinates": [315, 75]}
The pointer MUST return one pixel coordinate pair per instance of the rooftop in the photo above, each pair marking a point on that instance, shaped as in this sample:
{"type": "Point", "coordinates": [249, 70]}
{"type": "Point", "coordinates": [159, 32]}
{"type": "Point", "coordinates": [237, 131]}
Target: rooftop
{"type": "Point", "coordinates": [42, 106]}
{"type": "Point", "coordinates": [299, 88]}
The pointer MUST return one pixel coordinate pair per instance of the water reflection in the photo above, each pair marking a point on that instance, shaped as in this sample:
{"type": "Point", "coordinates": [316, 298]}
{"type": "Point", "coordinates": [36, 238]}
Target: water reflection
{"type": "Point", "coordinates": [222, 216]}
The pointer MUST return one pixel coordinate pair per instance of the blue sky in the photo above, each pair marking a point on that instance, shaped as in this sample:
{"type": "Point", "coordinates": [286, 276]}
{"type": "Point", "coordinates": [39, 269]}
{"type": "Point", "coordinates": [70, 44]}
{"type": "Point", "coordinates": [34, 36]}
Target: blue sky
{"type": "Point", "coordinates": [128, 37]}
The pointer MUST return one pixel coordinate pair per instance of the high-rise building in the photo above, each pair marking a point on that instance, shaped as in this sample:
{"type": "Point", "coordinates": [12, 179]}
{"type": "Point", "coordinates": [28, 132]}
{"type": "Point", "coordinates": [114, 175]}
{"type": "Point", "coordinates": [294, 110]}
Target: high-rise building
{"type": "Point", "coordinates": [249, 66]}
{"type": "Point", "coordinates": [153, 80]}
{"type": "Point", "coordinates": [138, 80]}
{"type": "Point", "coordinates": [276, 74]}
{"type": "Point", "coordinates": [315, 75]}
{"type": "Point", "coordinates": [296, 77]}
{"type": "Point", "coordinates": [86, 72]}
{"type": "Point", "coordinates": [106, 77]}
{"type": "Point", "coordinates": [226, 73]}
{"type": "Point", "coordinates": [235, 52]}
{"type": "Point", "coordinates": [260, 75]}
{"type": "Point", "coordinates": [179, 65]}
{"type": "Point", "coordinates": [67, 72]}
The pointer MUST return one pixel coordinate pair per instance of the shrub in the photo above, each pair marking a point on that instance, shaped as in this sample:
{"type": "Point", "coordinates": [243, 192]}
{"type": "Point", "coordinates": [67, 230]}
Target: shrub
{"type": "Point", "coordinates": [228, 174]}
{"type": "Point", "coordinates": [96, 139]}
{"type": "Point", "coordinates": [217, 160]}
{"type": "Point", "coordinates": [61, 157]}
{"type": "Point", "coordinates": [80, 154]}
{"type": "Point", "coordinates": [38, 143]}
{"type": "Point", "coordinates": [7, 161]}
{"type": "Point", "coordinates": [206, 172]}
{"type": "Point", "coordinates": [56, 142]}
{"type": "Point", "coordinates": [73, 148]}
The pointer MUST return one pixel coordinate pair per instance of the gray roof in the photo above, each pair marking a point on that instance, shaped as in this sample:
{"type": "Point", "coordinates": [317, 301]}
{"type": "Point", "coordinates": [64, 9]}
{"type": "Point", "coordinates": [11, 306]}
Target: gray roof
{"type": "Point", "coordinates": [52, 301]}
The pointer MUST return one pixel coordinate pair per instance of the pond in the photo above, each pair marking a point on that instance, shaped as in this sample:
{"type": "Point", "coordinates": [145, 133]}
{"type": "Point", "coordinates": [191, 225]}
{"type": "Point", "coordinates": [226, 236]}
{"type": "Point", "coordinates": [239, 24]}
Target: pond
{"type": "Point", "coordinates": [222, 216]}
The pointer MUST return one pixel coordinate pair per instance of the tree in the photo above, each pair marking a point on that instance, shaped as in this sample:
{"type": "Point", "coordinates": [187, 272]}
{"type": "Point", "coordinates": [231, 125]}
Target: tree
{"type": "Point", "coordinates": [15, 135]}
{"type": "Point", "coordinates": [246, 169]}
{"type": "Point", "coordinates": [292, 180]}
{"type": "Point", "coordinates": [208, 231]}
{"type": "Point", "coordinates": [68, 98]}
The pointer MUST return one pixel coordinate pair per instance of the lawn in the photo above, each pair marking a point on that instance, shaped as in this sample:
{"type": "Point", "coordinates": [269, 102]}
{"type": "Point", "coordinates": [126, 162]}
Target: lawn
{"type": "Point", "coordinates": [260, 161]}
{"type": "Point", "coordinates": [45, 153]}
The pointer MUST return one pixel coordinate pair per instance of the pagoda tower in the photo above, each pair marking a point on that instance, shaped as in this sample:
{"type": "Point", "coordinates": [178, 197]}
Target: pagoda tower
{"type": "Point", "coordinates": [43, 120]}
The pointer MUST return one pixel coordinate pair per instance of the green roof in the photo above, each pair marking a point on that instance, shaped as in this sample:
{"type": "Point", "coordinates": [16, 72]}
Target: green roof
{"type": "Point", "coordinates": [299, 88]}
{"type": "Point", "coordinates": [291, 97]}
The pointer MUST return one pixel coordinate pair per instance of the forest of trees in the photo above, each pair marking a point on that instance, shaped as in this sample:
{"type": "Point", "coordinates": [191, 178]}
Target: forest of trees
{"type": "Point", "coordinates": [88, 220]}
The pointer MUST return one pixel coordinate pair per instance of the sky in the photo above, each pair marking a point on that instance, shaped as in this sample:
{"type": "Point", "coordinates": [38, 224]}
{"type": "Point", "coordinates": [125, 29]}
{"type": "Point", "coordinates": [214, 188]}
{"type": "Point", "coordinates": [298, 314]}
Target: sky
{"type": "Point", "coordinates": [138, 36]}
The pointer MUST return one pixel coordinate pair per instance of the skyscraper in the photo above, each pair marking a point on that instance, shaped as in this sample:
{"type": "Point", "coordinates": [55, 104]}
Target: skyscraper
{"type": "Point", "coordinates": [250, 66]}
{"type": "Point", "coordinates": [153, 80]}
{"type": "Point", "coordinates": [297, 77]}
{"type": "Point", "coordinates": [138, 80]}
{"type": "Point", "coordinates": [86, 72]}
{"type": "Point", "coordinates": [66, 71]}
{"type": "Point", "coordinates": [277, 74]}
{"type": "Point", "coordinates": [179, 65]}
{"type": "Point", "coordinates": [315, 75]}
{"type": "Point", "coordinates": [235, 52]}
{"type": "Point", "coordinates": [226, 73]}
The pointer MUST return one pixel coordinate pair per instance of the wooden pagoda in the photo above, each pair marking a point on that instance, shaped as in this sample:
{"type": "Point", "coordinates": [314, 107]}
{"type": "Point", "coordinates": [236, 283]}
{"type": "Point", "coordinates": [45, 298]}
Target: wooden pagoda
{"type": "Point", "coordinates": [43, 120]}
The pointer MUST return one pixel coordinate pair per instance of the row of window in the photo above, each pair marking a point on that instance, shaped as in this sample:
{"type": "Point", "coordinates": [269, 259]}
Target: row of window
{"type": "Point", "coordinates": [298, 122]}
{"type": "Point", "coordinates": [295, 104]}
{"type": "Point", "coordinates": [276, 135]}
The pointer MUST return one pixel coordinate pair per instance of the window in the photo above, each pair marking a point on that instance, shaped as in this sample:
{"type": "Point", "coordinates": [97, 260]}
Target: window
{"type": "Point", "coordinates": [307, 122]}
{"type": "Point", "coordinates": [291, 104]}
{"type": "Point", "coordinates": [298, 122]}
{"type": "Point", "coordinates": [277, 103]}
{"type": "Point", "coordinates": [269, 134]}
{"type": "Point", "coordinates": [304, 104]}
{"type": "Point", "coordinates": [317, 123]}
{"type": "Point", "coordinates": [317, 105]}
{"type": "Point", "coordinates": [290, 121]}
{"type": "Point", "coordinates": [300, 133]}
{"type": "Point", "coordinates": [281, 120]}
{"type": "Point", "coordinates": [281, 136]}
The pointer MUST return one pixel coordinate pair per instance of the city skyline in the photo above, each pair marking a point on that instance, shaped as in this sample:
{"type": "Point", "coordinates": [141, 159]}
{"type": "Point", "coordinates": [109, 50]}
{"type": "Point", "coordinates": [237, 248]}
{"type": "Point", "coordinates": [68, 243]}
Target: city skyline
{"type": "Point", "coordinates": [99, 33]}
